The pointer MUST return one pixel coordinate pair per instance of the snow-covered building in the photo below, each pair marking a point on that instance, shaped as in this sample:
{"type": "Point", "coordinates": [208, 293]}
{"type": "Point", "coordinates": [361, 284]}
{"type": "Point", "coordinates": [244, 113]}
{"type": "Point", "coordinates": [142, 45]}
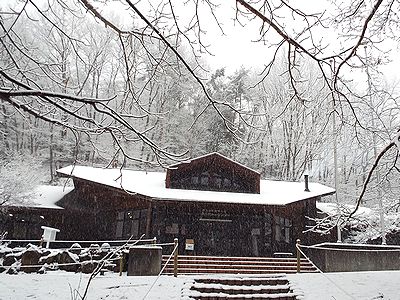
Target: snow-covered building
{"type": "Point", "coordinates": [23, 219]}
{"type": "Point", "coordinates": [213, 205]}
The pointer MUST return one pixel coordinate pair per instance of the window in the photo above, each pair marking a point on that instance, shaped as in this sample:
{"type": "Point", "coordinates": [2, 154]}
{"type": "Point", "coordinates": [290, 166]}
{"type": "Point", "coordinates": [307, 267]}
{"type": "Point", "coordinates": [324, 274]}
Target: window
{"type": "Point", "coordinates": [218, 181]}
{"type": "Point", "coordinates": [20, 230]}
{"type": "Point", "coordinates": [227, 182]}
{"type": "Point", "coordinates": [172, 229]}
{"type": "Point", "coordinates": [204, 179]}
{"type": "Point", "coordinates": [195, 180]}
{"type": "Point", "coordinates": [282, 229]}
{"type": "Point", "coordinates": [130, 223]}
{"type": "Point", "coordinates": [25, 225]}
{"type": "Point", "coordinates": [120, 224]}
{"type": "Point", "coordinates": [211, 180]}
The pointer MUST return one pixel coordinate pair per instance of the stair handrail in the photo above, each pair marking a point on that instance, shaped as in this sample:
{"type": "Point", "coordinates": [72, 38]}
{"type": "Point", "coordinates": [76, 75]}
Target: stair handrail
{"type": "Point", "coordinates": [173, 253]}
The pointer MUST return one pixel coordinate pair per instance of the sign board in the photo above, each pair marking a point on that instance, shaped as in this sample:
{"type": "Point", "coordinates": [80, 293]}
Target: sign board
{"type": "Point", "coordinates": [49, 235]}
{"type": "Point", "coordinates": [189, 245]}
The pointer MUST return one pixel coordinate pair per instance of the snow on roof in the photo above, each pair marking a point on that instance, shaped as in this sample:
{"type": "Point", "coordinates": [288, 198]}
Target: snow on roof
{"type": "Point", "coordinates": [45, 196]}
{"type": "Point", "coordinates": [331, 209]}
{"type": "Point", "coordinates": [152, 184]}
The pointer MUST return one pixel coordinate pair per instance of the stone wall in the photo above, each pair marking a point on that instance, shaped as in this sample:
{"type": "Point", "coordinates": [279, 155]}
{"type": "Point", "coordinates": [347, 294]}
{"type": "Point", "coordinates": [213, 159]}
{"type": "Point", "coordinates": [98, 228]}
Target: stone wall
{"type": "Point", "coordinates": [332, 257]}
{"type": "Point", "coordinates": [74, 259]}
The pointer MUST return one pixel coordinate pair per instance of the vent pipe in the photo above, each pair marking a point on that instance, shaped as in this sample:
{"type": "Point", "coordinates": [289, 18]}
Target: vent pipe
{"type": "Point", "coordinates": [306, 189]}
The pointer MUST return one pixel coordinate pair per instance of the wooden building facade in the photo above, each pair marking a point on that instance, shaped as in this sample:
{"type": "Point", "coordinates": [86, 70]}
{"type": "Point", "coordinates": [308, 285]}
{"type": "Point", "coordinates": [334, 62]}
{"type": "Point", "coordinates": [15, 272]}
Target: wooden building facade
{"type": "Point", "coordinates": [213, 205]}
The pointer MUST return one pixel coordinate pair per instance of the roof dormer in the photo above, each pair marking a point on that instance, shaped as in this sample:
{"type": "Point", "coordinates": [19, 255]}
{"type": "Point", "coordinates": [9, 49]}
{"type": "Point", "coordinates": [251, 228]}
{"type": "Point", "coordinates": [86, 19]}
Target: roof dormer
{"type": "Point", "coordinates": [213, 172]}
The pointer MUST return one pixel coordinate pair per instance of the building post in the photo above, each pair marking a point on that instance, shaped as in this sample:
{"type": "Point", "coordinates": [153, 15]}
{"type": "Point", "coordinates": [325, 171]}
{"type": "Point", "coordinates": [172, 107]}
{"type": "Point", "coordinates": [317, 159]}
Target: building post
{"type": "Point", "coordinates": [175, 257]}
{"type": "Point", "coordinates": [298, 255]}
{"type": "Point", "coordinates": [148, 219]}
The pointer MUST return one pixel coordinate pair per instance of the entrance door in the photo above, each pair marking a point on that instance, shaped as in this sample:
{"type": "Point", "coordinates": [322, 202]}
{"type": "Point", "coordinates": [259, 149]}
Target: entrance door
{"type": "Point", "coordinates": [215, 238]}
{"type": "Point", "coordinates": [255, 241]}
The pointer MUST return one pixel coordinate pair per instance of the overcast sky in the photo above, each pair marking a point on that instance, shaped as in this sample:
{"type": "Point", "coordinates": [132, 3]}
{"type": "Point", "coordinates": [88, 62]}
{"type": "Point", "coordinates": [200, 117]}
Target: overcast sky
{"type": "Point", "coordinates": [237, 46]}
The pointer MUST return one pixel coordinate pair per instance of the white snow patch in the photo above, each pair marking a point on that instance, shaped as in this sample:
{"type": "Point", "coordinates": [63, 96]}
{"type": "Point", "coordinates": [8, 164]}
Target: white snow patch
{"type": "Point", "coordinates": [46, 196]}
{"type": "Point", "coordinates": [332, 209]}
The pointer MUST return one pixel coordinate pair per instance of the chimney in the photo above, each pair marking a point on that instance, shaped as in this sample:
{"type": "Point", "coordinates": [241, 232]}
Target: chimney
{"type": "Point", "coordinates": [306, 189]}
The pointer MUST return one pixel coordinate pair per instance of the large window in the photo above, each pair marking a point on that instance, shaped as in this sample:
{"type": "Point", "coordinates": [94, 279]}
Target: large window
{"type": "Point", "coordinates": [130, 223]}
{"type": "Point", "coordinates": [212, 181]}
{"type": "Point", "coordinates": [283, 229]}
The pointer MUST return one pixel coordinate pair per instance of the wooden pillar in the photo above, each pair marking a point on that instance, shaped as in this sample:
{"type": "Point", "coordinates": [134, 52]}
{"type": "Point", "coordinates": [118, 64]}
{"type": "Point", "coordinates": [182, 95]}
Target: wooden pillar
{"type": "Point", "coordinates": [148, 219]}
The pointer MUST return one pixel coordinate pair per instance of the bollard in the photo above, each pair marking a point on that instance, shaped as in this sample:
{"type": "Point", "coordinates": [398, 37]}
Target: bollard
{"type": "Point", "coordinates": [154, 240]}
{"type": "Point", "coordinates": [175, 257]}
{"type": "Point", "coordinates": [298, 255]}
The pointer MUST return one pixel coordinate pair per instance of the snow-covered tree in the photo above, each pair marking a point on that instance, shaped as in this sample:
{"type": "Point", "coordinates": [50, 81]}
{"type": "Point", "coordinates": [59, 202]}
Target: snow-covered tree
{"type": "Point", "coordinates": [19, 175]}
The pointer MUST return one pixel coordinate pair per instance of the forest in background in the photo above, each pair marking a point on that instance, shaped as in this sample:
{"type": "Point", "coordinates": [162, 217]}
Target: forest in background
{"type": "Point", "coordinates": [167, 116]}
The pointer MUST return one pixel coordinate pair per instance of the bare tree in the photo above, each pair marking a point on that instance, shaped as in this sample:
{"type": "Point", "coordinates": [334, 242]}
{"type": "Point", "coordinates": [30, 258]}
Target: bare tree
{"type": "Point", "coordinates": [159, 36]}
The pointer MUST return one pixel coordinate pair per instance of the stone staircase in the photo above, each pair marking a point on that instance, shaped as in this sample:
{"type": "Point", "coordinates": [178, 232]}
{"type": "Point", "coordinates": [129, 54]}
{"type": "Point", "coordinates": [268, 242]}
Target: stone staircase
{"type": "Point", "coordinates": [236, 265]}
{"type": "Point", "coordinates": [261, 287]}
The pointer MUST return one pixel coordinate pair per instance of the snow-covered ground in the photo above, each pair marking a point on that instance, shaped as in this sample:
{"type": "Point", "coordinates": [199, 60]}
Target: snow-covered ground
{"type": "Point", "coordinates": [62, 285]}
{"type": "Point", "coordinates": [349, 285]}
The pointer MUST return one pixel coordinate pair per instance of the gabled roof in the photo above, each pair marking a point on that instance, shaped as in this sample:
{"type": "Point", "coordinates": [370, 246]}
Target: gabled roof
{"type": "Point", "coordinates": [209, 156]}
{"type": "Point", "coordinates": [152, 184]}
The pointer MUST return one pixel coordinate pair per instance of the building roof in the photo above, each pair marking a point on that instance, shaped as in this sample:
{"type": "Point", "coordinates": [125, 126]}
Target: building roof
{"type": "Point", "coordinates": [44, 196]}
{"type": "Point", "coordinates": [152, 184]}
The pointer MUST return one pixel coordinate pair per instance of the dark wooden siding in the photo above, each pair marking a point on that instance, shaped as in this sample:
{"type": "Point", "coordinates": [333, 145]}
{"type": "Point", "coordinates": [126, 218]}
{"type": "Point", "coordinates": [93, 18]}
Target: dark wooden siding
{"type": "Point", "coordinates": [228, 229]}
{"type": "Point", "coordinates": [97, 207]}
{"type": "Point", "coordinates": [26, 222]}
{"type": "Point", "coordinates": [214, 173]}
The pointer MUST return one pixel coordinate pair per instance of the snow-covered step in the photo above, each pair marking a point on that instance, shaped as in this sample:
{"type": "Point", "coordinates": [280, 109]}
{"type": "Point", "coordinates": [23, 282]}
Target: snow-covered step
{"type": "Point", "coordinates": [237, 258]}
{"type": "Point", "coordinates": [228, 271]}
{"type": "Point", "coordinates": [243, 281]}
{"type": "Point", "coordinates": [242, 266]}
{"type": "Point", "coordinates": [239, 287]}
{"type": "Point", "coordinates": [237, 265]}
{"type": "Point", "coordinates": [242, 262]}
{"type": "Point", "coordinates": [219, 296]}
